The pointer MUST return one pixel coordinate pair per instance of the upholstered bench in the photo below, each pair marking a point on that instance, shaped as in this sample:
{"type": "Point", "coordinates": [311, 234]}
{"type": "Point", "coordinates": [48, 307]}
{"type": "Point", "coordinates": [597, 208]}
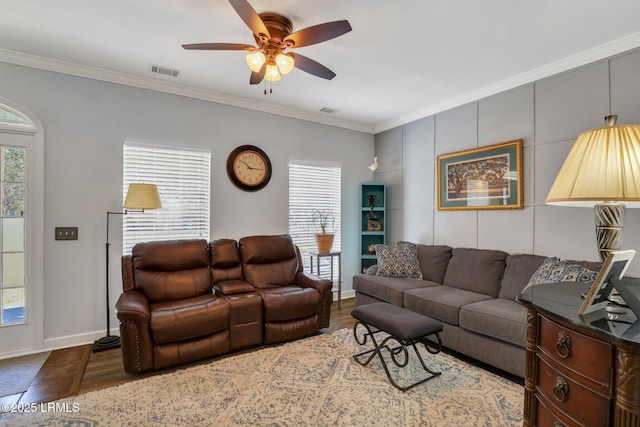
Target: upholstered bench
{"type": "Point", "coordinates": [405, 327]}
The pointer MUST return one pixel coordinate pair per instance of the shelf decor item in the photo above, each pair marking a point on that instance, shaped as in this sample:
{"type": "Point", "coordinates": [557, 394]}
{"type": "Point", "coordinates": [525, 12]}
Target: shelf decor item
{"type": "Point", "coordinates": [482, 178]}
{"type": "Point", "coordinates": [373, 223]}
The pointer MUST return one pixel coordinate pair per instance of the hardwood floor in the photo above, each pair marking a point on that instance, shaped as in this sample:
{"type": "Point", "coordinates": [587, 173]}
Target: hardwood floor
{"type": "Point", "coordinates": [66, 375]}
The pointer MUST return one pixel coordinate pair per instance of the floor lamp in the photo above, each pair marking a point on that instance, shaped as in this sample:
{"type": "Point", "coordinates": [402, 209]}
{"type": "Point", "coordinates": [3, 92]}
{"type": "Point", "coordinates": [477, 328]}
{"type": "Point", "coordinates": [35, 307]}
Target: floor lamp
{"type": "Point", "coordinates": [602, 171]}
{"type": "Point", "coordinates": [139, 197]}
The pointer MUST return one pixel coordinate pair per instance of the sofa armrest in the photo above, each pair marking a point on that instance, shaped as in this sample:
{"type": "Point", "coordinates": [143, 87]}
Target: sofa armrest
{"type": "Point", "coordinates": [323, 286]}
{"type": "Point", "coordinates": [232, 287]}
{"type": "Point", "coordinates": [133, 305]}
{"type": "Point", "coordinates": [132, 309]}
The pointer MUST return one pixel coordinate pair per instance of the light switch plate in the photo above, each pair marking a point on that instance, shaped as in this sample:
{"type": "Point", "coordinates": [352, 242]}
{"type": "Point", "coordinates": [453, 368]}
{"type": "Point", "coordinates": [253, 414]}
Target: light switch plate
{"type": "Point", "coordinates": [66, 233]}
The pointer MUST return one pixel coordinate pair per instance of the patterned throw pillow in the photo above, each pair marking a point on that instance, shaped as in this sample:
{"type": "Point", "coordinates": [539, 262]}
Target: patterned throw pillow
{"type": "Point", "coordinates": [554, 270]}
{"type": "Point", "coordinates": [398, 261]}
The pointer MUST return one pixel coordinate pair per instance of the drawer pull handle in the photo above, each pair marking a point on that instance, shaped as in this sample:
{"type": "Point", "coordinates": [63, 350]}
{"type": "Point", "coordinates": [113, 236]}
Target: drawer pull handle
{"type": "Point", "coordinates": [563, 345]}
{"type": "Point", "coordinates": [557, 424]}
{"type": "Point", "coordinates": [561, 390]}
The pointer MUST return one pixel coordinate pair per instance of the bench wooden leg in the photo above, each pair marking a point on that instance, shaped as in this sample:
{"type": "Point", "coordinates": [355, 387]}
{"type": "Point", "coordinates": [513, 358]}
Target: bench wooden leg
{"type": "Point", "coordinates": [399, 353]}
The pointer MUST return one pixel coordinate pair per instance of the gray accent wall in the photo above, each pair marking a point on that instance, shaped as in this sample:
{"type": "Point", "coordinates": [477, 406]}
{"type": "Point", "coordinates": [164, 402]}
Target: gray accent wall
{"type": "Point", "coordinates": [548, 116]}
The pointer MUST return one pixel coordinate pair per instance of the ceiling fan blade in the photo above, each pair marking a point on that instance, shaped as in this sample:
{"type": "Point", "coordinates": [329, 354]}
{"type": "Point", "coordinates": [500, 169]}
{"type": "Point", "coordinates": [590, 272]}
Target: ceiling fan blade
{"type": "Point", "coordinates": [250, 17]}
{"type": "Point", "coordinates": [259, 76]}
{"type": "Point", "coordinates": [312, 67]}
{"type": "Point", "coordinates": [218, 46]}
{"type": "Point", "coordinates": [318, 33]}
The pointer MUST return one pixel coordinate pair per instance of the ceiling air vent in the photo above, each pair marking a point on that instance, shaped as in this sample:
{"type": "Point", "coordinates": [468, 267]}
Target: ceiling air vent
{"type": "Point", "coordinates": [163, 70]}
{"type": "Point", "coordinates": [328, 110]}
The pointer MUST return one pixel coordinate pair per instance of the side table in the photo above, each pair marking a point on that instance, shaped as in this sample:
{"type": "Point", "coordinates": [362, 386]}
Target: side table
{"type": "Point", "coordinates": [331, 255]}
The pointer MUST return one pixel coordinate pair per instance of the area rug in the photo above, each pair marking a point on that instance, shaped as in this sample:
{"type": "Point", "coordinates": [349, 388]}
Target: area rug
{"type": "Point", "coordinates": [17, 373]}
{"type": "Point", "coordinates": [310, 382]}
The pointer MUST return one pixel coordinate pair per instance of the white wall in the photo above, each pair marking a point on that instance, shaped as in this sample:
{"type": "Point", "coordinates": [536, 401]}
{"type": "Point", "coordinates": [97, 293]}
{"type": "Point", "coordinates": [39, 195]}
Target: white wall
{"type": "Point", "coordinates": [86, 122]}
{"type": "Point", "coordinates": [548, 116]}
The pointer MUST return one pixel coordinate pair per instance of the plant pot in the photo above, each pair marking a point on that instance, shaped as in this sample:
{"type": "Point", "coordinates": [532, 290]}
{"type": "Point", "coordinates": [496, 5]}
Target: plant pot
{"type": "Point", "coordinates": [324, 242]}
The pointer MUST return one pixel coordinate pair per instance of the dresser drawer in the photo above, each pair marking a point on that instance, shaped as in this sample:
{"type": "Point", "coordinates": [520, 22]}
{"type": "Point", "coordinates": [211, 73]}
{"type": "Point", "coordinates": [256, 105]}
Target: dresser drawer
{"type": "Point", "coordinates": [570, 397]}
{"type": "Point", "coordinates": [587, 356]}
{"type": "Point", "coordinates": [549, 416]}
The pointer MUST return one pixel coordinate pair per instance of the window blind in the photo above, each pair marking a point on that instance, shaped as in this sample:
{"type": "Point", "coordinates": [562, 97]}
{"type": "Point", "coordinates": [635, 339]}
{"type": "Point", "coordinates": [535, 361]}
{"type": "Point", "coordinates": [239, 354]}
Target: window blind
{"type": "Point", "coordinates": [183, 180]}
{"type": "Point", "coordinates": [314, 188]}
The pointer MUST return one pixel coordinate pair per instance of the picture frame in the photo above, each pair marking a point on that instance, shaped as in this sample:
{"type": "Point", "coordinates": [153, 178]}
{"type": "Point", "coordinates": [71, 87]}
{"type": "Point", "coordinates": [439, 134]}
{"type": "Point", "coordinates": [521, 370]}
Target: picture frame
{"type": "Point", "coordinates": [615, 266]}
{"type": "Point", "coordinates": [488, 177]}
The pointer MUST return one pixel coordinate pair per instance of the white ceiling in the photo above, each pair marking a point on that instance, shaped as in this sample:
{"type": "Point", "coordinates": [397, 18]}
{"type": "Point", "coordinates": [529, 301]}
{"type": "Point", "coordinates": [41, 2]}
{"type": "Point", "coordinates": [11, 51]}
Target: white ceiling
{"type": "Point", "coordinates": [403, 60]}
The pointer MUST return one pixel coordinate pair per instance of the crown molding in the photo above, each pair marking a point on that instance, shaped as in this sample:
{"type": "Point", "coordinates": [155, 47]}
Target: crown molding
{"type": "Point", "coordinates": [581, 59]}
{"type": "Point", "coordinates": [94, 73]}
{"type": "Point", "coordinates": [598, 53]}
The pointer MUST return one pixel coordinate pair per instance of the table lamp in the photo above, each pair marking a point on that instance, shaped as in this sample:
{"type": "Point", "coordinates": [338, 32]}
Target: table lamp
{"type": "Point", "coordinates": [602, 171]}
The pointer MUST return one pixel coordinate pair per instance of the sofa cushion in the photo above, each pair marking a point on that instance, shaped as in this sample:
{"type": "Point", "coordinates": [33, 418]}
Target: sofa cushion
{"type": "Point", "coordinates": [225, 260]}
{"type": "Point", "coordinates": [433, 261]}
{"type": "Point", "coordinates": [398, 261]}
{"type": "Point", "coordinates": [519, 269]}
{"type": "Point", "coordinates": [554, 270]}
{"type": "Point", "coordinates": [389, 289]}
{"type": "Point", "coordinates": [500, 318]}
{"type": "Point", "coordinates": [476, 270]}
{"type": "Point", "coordinates": [268, 261]}
{"type": "Point", "coordinates": [189, 318]}
{"type": "Point", "coordinates": [442, 303]}
{"type": "Point", "coordinates": [172, 270]}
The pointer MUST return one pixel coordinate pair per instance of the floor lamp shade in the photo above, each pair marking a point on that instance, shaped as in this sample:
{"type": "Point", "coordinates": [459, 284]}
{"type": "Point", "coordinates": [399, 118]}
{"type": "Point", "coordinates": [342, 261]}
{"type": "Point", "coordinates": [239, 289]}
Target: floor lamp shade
{"type": "Point", "coordinates": [142, 196]}
{"type": "Point", "coordinates": [602, 171]}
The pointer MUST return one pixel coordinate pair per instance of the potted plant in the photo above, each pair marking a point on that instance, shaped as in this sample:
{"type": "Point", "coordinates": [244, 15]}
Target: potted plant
{"type": "Point", "coordinates": [324, 239]}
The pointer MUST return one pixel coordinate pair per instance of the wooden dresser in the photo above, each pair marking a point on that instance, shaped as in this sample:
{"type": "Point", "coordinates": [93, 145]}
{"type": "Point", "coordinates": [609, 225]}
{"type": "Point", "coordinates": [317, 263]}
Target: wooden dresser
{"type": "Point", "coordinates": [580, 370]}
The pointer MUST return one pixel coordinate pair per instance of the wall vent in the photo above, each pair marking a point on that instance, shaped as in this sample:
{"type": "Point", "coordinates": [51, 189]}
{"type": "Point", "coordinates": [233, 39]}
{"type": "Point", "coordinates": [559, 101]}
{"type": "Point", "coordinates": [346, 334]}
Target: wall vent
{"type": "Point", "coordinates": [328, 110]}
{"type": "Point", "coordinates": [163, 70]}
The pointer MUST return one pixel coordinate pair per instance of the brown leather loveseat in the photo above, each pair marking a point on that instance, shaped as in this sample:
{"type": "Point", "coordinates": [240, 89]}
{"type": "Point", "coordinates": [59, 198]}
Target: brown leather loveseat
{"type": "Point", "coordinates": [185, 300]}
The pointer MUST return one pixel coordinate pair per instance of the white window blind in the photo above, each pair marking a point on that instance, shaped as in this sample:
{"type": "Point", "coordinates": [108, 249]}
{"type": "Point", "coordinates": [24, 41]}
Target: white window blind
{"type": "Point", "coordinates": [183, 180]}
{"type": "Point", "coordinates": [313, 188]}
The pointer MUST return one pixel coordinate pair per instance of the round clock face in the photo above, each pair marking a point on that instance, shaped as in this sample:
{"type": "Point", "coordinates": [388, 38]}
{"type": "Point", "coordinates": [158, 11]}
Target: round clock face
{"type": "Point", "coordinates": [249, 168]}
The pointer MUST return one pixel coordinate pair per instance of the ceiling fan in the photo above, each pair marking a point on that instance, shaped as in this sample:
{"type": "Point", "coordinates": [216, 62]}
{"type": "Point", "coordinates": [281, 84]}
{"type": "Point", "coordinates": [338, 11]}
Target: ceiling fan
{"type": "Point", "coordinates": [274, 37]}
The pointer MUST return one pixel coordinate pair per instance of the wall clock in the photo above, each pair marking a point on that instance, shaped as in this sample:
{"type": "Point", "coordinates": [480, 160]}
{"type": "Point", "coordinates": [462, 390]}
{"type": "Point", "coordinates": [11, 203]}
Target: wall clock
{"type": "Point", "coordinates": [249, 168]}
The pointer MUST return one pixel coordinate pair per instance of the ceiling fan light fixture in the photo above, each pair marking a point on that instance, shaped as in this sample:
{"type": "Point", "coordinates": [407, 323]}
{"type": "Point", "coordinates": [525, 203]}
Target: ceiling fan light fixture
{"type": "Point", "coordinates": [285, 62]}
{"type": "Point", "coordinates": [255, 61]}
{"type": "Point", "coordinates": [271, 73]}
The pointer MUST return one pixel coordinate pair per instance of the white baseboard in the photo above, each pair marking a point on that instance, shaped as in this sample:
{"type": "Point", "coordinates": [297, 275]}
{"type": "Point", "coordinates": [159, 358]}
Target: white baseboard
{"type": "Point", "coordinates": [76, 339]}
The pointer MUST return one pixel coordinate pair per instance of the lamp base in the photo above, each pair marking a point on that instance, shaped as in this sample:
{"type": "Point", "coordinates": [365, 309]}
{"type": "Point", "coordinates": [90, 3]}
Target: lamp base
{"type": "Point", "coordinates": [609, 224]}
{"type": "Point", "coordinates": [106, 343]}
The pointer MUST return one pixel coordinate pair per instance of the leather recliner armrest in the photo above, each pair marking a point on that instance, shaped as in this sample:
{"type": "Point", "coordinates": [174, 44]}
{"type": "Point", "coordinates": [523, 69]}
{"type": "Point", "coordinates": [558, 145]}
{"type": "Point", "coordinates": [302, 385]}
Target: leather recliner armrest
{"type": "Point", "coordinates": [134, 306]}
{"type": "Point", "coordinates": [232, 287]}
{"type": "Point", "coordinates": [323, 286]}
{"type": "Point", "coordinates": [134, 314]}
{"type": "Point", "coordinates": [307, 280]}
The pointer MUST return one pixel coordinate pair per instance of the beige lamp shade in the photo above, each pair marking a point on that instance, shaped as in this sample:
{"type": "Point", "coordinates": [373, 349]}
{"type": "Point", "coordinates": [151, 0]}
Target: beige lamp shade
{"type": "Point", "coordinates": [602, 166]}
{"type": "Point", "coordinates": [142, 196]}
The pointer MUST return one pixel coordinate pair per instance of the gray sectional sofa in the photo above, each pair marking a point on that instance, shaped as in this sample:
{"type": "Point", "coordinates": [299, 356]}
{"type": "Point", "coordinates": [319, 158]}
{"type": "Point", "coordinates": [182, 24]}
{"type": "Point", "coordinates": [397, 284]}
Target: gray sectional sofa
{"type": "Point", "coordinates": [472, 292]}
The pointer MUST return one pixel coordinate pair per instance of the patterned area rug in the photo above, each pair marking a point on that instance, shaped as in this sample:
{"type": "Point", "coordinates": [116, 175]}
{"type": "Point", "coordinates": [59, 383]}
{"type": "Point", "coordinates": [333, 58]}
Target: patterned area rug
{"type": "Point", "coordinates": [310, 382]}
{"type": "Point", "coordinates": [16, 374]}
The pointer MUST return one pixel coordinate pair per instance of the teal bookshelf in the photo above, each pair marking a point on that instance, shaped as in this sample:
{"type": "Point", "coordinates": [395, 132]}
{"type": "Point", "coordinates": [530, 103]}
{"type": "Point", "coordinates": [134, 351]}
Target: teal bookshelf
{"type": "Point", "coordinates": [373, 224]}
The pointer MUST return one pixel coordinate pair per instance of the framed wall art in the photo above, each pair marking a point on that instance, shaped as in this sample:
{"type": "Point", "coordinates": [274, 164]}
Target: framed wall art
{"type": "Point", "coordinates": [482, 178]}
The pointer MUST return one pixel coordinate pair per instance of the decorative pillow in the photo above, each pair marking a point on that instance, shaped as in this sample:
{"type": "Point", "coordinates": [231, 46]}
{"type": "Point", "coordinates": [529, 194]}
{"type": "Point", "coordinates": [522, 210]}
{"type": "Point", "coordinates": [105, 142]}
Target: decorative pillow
{"type": "Point", "coordinates": [398, 261]}
{"type": "Point", "coordinates": [554, 270]}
